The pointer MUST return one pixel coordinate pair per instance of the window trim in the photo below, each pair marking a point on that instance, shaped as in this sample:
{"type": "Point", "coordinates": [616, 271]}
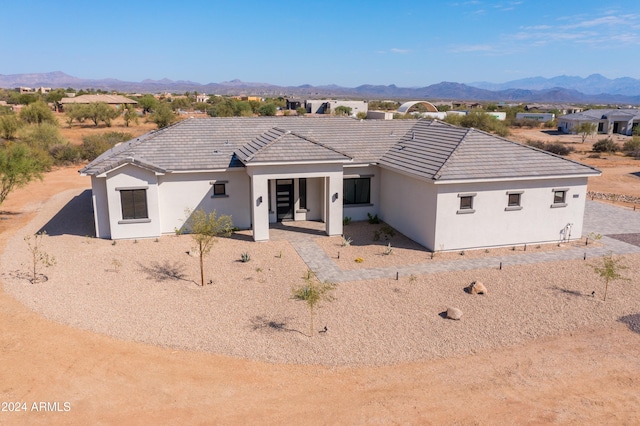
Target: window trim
{"type": "Point", "coordinates": [218, 183]}
{"type": "Point", "coordinates": [356, 204]}
{"type": "Point", "coordinates": [470, 209]}
{"type": "Point", "coordinates": [135, 219]}
{"type": "Point", "coordinates": [514, 207]}
{"type": "Point", "coordinates": [563, 203]}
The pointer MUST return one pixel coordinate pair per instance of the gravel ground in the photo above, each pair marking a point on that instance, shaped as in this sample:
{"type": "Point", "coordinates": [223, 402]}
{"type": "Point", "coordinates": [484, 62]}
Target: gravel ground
{"type": "Point", "coordinates": [146, 291]}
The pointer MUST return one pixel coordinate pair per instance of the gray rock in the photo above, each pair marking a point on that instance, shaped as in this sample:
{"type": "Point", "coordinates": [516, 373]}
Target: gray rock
{"type": "Point", "coordinates": [454, 313]}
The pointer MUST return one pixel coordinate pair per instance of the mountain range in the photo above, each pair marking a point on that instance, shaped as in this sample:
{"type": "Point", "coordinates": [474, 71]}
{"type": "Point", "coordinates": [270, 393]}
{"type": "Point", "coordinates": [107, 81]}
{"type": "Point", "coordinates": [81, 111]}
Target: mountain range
{"type": "Point", "coordinates": [562, 89]}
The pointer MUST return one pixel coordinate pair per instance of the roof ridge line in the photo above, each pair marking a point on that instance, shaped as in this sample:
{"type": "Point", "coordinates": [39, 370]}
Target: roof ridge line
{"type": "Point", "coordinates": [277, 129]}
{"type": "Point", "coordinates": [330, 148]}
{"type": "Point", "coordinates": [444, 165]}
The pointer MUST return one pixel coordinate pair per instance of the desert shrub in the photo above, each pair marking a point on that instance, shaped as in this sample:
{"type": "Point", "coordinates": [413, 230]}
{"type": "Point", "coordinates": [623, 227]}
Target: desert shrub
{"type": "Point", "coordinates": [94, 145]}
{"type": "Point", "coordinates": [551, 124]}
{"type": "Point", "coordinates": [525, 122]}
{"type": "Point", "coordinates": [552, 147]}
{"type": "Point", "coordinates": [605, 145]}
{"type": "Point", "coordinates": [65, 154]}
{"type": "Point", "coordinates": [632, 147]}
{"type": "Point", "coordinates": [41, 136]}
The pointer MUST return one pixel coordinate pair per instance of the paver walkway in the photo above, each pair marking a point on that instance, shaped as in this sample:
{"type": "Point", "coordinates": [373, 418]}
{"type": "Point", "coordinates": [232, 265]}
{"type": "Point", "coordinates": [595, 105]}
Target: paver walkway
{"type": "Point", "coordinates": [600, 218]}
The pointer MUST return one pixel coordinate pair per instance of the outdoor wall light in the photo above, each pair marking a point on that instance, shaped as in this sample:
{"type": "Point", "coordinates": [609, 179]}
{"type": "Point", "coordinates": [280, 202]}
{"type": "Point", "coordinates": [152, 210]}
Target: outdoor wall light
{"type": "Point", "coordinates": [259, 201]}
{"type": "Point", "coordinates": [335, 196]}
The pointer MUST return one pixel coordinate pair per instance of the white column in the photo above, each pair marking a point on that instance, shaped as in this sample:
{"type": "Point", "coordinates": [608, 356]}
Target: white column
{"type": "Point", "coordinates": [260, 208]}
{"type": "Point", "coordinates": [334, 203]}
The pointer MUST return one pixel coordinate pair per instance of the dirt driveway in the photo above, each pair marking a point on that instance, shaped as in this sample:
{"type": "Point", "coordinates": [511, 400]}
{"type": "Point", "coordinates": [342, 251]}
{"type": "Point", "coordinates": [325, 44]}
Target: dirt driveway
{"type": "Point", "coordinates": [588, 377]}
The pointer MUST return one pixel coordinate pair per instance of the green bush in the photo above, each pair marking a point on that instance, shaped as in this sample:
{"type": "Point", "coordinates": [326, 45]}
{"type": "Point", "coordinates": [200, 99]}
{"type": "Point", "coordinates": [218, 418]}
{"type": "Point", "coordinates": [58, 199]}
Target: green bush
{"type": "Point", "coordinates": [65, 154]}
{"type": "Point", "coordinates": [42, 136]}
{"type": "Point", "coordinates": [605, 145]}
{"type": "Point", "coordinates": [632, 146]}
{"type": "Point", "coordinates": [94, 145]}
{"type": "Point", "coordinates": [552, 147]}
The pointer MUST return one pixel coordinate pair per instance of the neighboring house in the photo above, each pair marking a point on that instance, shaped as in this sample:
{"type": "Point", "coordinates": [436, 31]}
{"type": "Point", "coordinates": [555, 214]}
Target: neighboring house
{"type": "Point", "coordinates": [609, 121]}
{"type": "Point", "coordinates": [88, 99]}
{"type": "Point", "coordinates": [320, 106]}
{"type": "Point", "coordinates": [447, 188]}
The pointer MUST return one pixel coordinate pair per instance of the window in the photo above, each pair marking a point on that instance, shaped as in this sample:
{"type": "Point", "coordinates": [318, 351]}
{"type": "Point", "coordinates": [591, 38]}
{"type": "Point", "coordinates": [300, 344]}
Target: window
{"type": "Point", "coordinates": [357, 191]}
{"type": "Point", "coordinates": [134, 204]}
{"type": "Point", "coordinates": [466, 203]}
{"type": "Point", "coordinates": [219, 189]}
{"type": "Point", "coordinates": [514, 200]}
{"type": "Point", "coordinates": [303, 193]}
{"type": "Point", "coordinates": [560, 197]}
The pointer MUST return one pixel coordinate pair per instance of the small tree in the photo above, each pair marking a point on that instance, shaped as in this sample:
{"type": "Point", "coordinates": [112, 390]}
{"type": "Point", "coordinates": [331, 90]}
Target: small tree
{"type": "Point", "coordinates": [148, 103]}
{"type": "Point", "coordinates": [609, 271]}
{"type": "Point", "coordinates": [267, 110]}
{"type": "Point", "coordinates": [342, 110]}
{"type": "Point", "coordinates": [204, 229]}
{"type": "Point", "coordinates": [301, 111]}
{"type": "Point", "coordinates": [17, 168]}
{"type": "Point", "coordinates": [130, 115]}
{"type": "Point", "coordinates": [312, 292]}
{"type": "Point", "coordinates": [163, 115]}
{"type": "Point", "coordinates": [37, 113]}
{"type": "Point", "coordinates": [586, 129]}
{"type": "Point", "coordinates": [9, 125]}
{"type": "Point", "coordinates": [38, 256]}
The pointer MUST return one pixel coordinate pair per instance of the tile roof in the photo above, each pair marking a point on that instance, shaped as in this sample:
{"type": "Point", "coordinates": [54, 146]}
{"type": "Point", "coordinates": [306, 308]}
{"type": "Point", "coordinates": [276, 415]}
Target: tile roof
{"type": "Point", "coordinates": [599, 114]}
{"type": "Point", "coordinates": [87, 99]}
{"type": "Point", "coordinates": [443, 152]}
{"type": "Point", "coordinates": [424, 148]}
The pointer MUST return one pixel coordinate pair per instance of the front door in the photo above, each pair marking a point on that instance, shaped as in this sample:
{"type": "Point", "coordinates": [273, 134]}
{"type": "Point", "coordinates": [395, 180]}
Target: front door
{"type": "Point", "coordinates": [284, 199]}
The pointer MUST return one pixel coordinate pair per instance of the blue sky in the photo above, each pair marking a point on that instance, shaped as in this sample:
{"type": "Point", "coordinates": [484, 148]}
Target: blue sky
{"type": "Point", "coordinates": [407, 43]}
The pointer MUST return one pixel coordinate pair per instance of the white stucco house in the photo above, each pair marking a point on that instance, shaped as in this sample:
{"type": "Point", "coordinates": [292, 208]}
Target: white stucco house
{"type": "Point", "coordinates": [447, 188]}
{"type": "Point", "coordinates": [608, 121]}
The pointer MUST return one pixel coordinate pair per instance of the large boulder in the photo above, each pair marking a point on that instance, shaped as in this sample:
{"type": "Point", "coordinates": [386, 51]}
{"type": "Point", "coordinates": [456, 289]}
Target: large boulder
{"type": "Point", "coordinates": [454, 313]}
{"type": "Point", "coordinates": [477, 287]}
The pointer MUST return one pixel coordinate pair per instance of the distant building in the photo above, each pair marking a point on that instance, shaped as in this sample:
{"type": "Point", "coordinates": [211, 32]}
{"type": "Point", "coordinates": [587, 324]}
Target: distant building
{"type": "Point", "coordinates": [43, 90]}
{"type": "Point", "coordinates": [538, 116]}
{"type": "Point", "coordinates": [88, 99]}
{"type": "Point", "coordinates": [609, 121]}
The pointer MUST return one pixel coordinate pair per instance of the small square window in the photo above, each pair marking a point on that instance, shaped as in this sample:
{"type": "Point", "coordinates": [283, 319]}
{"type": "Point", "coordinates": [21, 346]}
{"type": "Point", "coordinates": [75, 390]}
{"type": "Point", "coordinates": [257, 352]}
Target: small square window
{"type": "Point", "coordinates": [514, 200]}
{"type": "Point", "coordinates": [219, 189]}
{"type": "Point", "coordinates": [559, 197]}
{"type": "Point", "coordinates": [466, 203]}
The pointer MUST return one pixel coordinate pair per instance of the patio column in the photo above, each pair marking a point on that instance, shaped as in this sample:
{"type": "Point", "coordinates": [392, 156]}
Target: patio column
{"type": "Point", "coordinates": [334, 203]}
{"type": "Point", "coordinates": [260, 207]}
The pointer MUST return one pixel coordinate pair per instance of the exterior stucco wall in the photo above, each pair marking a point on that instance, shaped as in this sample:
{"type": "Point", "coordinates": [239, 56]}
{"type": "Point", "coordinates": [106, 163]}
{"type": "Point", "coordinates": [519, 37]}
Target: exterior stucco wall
{"type": "Point", "coordinates": [181, 191]}
{"type": "Point", "coordinates": [359, 211]}
{"type": "Point", "coordinates": [409, 205]}
{"type": "Point", "coordinates": [132, 177]}
{"type": "Point", "coordinates": [100, 207]}
{"type": "Point", "coordinates": [491, 224]}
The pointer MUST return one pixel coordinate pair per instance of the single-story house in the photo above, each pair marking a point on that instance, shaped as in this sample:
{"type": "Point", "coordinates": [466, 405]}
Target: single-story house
{"type": "Point", "coordinates": [88, 99]}
{"type": "Point", "coordinates": [622, 121]}
{"type": "Point", "coordinates": [446, 187]}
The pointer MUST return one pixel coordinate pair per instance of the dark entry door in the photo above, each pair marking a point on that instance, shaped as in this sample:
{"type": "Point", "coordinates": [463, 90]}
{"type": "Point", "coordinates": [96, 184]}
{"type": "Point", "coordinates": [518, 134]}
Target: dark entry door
{"type": "Point", "coordinates": [284, 199]}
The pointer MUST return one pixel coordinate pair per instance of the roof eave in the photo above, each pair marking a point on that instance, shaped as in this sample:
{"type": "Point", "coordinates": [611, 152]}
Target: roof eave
{"type": "Point", "coordinates": [516, 178]}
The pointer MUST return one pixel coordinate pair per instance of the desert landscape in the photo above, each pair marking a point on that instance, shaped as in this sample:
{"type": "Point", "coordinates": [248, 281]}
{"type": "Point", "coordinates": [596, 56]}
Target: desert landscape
{"type": "Point", "coordinates": [124, 334]}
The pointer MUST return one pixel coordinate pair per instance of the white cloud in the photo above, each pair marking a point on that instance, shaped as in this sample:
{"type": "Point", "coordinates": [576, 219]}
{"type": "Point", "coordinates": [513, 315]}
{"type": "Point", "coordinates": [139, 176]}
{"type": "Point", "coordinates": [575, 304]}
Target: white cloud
{"type": "Point", "coordinates": [401, 51]}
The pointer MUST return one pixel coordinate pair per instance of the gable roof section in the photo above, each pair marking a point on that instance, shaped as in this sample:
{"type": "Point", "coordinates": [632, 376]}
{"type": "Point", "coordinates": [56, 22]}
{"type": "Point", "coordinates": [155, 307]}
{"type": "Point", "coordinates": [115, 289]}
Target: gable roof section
{"type": "Point", "coordinates": [599, 114]}
{"type": "Point", "coordinates": [279, 145]}
{"type": "Point", "coordinates": [442, 152]}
